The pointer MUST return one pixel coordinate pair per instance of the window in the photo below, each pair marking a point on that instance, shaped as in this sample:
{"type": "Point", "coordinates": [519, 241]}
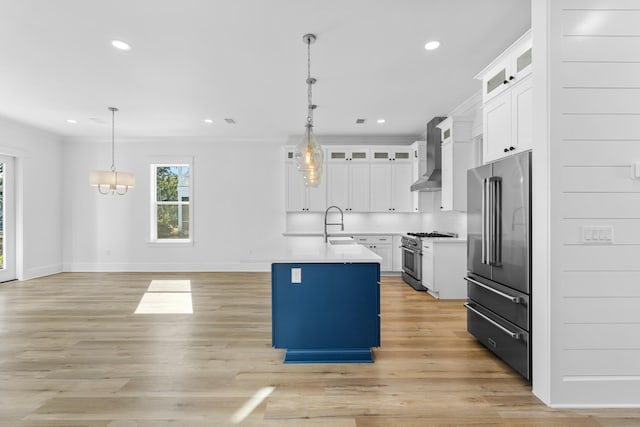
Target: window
{"type": "Point", "coordinates": [171, 203]}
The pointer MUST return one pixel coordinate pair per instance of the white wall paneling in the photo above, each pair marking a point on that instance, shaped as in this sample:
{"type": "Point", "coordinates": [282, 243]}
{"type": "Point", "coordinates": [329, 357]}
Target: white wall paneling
{"type": "Point", "coordinates": [590, 324]}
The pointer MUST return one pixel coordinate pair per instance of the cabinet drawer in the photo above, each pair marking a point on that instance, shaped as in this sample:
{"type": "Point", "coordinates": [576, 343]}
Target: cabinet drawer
{"type": "Point", "coordinates": [503, 338]}
{"type": "Point", "coordinates": [373, 239]}
{"type": "Point", "coordinates": [504, 301]}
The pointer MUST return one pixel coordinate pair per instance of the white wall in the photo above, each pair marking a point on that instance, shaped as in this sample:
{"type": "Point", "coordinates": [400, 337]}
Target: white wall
{"type": "Point", "coordinates": [593, 337]}
{"type": "Point", "coordinates": [39, 197]}
{"type": "Point", "coordinates": [238, 198]}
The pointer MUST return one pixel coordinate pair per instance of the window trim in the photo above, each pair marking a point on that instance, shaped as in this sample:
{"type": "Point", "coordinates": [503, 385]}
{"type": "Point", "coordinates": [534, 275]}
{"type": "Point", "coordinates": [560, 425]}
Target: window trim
{"type": "Point", "coordinates": [154, 163]}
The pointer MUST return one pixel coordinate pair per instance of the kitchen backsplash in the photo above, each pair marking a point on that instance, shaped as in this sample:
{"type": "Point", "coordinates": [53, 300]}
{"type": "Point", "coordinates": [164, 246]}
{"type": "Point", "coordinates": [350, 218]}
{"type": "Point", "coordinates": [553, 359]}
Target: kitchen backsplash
{"type": "Point", "coordinates": [455, 222]}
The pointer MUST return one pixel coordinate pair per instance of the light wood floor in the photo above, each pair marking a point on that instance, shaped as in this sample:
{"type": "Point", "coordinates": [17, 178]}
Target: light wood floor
{"type": "Point", "coordinates": [72, 353]}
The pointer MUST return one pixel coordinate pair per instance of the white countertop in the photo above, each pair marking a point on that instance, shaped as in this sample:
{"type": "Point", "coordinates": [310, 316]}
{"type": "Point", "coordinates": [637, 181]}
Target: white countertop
{"type": "Point", "coordinates": [342, 233]}
{"type": "Point", "coordinates": [444, 239]}
{"type": "Point", "coordinates": [285, 250]}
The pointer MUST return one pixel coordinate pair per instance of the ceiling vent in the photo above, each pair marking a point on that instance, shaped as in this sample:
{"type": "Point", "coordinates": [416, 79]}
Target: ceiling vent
{"type": "Point", "coordinates": [360, 121]}
{"type": "Point", "coordinates": [230, 121]}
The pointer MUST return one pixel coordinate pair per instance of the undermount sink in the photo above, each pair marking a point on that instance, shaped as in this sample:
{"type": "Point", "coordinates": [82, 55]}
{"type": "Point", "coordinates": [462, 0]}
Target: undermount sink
{"type": "Point", "coordinates": [341, 241]}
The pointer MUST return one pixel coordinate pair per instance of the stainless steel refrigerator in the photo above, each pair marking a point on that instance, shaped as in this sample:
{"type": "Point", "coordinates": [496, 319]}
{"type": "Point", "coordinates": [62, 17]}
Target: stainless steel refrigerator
{"type": "Point", "coordinates": [499, 259]}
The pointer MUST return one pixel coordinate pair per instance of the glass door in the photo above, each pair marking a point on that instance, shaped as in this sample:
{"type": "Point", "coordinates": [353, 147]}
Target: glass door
{"type": "Point", "coordinates": [7, 220]}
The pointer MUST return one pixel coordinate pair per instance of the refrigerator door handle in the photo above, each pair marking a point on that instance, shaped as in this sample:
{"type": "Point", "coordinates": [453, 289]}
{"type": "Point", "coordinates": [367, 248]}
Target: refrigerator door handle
{"type": "Point", "coordinates": [485, 220]}
{"type": "Point", "coordinates": [496, 221]}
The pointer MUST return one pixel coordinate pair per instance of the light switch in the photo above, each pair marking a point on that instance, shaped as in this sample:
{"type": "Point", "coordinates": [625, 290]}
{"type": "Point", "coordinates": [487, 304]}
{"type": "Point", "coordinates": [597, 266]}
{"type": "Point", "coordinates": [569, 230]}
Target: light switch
{"type": "Point", "coordinates": [296, 275]}
{"type": "Point", "coordinates": [597, 234]}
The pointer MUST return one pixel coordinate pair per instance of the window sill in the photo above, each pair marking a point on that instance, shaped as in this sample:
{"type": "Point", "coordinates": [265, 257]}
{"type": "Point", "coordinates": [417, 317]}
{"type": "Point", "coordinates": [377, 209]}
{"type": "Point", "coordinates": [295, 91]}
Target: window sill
{"type": "Point", "coordinates": [170, 243]}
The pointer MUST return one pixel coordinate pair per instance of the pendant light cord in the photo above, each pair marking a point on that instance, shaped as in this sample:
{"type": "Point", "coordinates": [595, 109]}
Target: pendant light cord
{"type": "Point", "coordinates": [113, 138]}
{"type": "Point", "coordinates": [310, 83]}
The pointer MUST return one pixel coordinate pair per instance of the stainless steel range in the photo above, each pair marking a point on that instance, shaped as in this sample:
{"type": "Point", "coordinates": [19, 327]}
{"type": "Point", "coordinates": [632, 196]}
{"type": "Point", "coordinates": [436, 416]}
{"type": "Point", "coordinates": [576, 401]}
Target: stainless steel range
{"type": "Point", "coordinates": [412, 256]}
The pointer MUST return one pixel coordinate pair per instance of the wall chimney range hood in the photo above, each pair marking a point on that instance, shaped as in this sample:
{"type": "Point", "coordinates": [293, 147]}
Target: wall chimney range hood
{"type": "Point", "coordinates": [431, 180]}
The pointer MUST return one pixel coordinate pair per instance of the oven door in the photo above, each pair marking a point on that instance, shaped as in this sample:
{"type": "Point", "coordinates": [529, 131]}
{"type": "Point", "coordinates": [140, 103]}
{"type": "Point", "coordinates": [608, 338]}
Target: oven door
{"type": "Point", "coordinates": [412, 262]}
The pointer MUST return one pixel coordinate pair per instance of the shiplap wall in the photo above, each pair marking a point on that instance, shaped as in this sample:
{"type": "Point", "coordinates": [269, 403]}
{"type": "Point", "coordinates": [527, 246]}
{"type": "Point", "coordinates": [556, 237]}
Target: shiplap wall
{"type": "Point", "coordinates": [594, 119]}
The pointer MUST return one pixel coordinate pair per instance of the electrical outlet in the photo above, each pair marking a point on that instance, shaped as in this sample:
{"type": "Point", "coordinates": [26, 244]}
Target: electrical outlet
{"type": "Point", "coordinates": [296, 275]}
{"type": "Point", "coordinates": [597, 234]}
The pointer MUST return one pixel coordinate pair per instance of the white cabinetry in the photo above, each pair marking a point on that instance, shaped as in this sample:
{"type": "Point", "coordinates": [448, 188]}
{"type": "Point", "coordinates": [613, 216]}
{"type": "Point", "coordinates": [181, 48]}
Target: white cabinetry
{"type": "Point", "coordinates": [382, 246]}
{"type": "Point", "coordinates": [396, 250]}
{"type": "Point", "coordinates": [391, 178]}
{"type": "Point", "coordinates": [456, 150]}
{"type": "Point", "coordinates": [419, 161]}
{"type": "Point", "coordinates": [513, 65]}
{"type": "Point", "coordinates": [507, 109]}
{"type": "Point", "coordinates": [348, 178]}
{"type": "Point", "coordinates": [507, 122]}
{"type": "Point", "coordinates": [444, 266]}
{"type": "Point", "coordinates": [298, 197]}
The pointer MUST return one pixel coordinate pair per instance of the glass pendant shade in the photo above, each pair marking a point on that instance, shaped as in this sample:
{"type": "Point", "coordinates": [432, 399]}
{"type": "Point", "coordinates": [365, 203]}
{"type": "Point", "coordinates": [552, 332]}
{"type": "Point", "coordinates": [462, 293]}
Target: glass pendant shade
{"type": "Point", "coordinates": [112, 182]}
{"type": "Point", "coordinates": [309, 157]}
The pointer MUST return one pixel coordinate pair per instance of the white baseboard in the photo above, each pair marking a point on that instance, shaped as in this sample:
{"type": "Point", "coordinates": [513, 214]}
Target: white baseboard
{"type": "Point", "coordinates": [166, 267]}
{"type": "Point", "coordinates": [47, 270]}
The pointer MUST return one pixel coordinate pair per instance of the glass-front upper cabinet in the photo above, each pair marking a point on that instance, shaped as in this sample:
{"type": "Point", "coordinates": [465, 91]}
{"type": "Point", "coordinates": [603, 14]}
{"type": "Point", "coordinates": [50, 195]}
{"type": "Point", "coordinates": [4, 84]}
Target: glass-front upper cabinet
{"type": "Point", "coordinates": [508, 69]}
{"type": "Point", "coordinates": [351, 154]}
{"type": "Point", "coordinates": [385, 154]}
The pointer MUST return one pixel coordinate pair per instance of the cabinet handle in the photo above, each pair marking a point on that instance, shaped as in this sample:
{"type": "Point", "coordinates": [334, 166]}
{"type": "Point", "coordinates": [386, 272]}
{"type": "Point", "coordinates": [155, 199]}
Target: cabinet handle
{"type": "Point", "coordinates": [506, 82]}
{"type": "Point", "coordinates": [511, 78]}
{"type": "Point", "coordinates": [514, 335]}
{"type": "Point", "coordinates": [515, 300]}
{"type": "Point", "coordinates": [512, 148]}
{"type": "Point", "coordinates": [506, 150]}
{"type": "Point", "coordinates": [393, 209]}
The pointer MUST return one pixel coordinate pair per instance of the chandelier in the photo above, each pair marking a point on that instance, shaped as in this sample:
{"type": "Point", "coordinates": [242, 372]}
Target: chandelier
{"type": "Point", "coordinates": [112, 181]}
{"type": "Point", "coordinates": [308, 154]}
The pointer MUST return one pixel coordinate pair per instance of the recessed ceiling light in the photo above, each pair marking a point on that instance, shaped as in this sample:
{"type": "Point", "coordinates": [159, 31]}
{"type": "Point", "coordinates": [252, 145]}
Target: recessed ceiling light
{"type": "Point", "coordinates": [230, 121]}
{"type": "Point", "coordinates": [360, 121]}
{"type": "Point", "coordinates": [433, 44]}
{"type": "Point", "coordinates": [381, 121]}
{"type": "Point", "coordinates": [119, 44]}
{"type": "Point", "coordinates": [72, 121]}
{"type": "Point", "coordinates": [208, 121]}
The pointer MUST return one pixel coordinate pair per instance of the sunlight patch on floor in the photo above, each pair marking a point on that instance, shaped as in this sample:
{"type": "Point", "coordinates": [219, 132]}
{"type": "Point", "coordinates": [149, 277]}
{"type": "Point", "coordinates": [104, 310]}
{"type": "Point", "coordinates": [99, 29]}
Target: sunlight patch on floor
{"type": "Point", "coordinates": [245, 410]}
{"type": "Point", "coordinates": [170, 286]}
{"type": "Point", "coordinates": [166, 297]}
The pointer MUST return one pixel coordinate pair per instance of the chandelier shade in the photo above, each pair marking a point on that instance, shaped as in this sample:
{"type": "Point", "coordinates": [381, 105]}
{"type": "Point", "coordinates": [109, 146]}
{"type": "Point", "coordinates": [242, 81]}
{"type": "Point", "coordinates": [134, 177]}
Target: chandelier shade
{"type": "Point", "coordinates": [111, 181]}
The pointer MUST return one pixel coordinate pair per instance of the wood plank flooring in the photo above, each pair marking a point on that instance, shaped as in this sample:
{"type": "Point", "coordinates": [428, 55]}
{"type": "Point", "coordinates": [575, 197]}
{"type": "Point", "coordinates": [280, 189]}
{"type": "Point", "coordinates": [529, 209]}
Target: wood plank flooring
{"type": "Point", "coordinates": [73, 353]}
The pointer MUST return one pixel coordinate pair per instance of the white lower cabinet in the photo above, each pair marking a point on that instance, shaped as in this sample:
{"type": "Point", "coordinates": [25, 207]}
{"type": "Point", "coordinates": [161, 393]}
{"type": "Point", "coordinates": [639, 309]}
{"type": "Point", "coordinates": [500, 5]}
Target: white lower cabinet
{"type": "Point", "coordinates": [444, 266]}
{"type": "Point", "coordinates": [381, 245]}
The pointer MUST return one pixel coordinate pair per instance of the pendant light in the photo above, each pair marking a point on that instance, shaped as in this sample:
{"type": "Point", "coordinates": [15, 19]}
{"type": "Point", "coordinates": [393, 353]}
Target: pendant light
{"type": "Point", "coordinates": [308, 153]}
{"type": "Point", "coordinates": [112, 181]}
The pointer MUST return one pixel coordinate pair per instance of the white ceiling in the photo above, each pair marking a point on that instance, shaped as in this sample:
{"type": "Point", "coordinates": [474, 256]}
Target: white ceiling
{"type": "Point", "coordinates": [245, 59]}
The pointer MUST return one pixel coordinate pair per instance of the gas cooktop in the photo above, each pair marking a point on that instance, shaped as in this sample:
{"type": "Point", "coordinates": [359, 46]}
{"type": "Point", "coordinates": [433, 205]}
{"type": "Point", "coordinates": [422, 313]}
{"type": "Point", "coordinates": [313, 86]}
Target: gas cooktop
{"type": "Point", "coordinates": [432, 234]}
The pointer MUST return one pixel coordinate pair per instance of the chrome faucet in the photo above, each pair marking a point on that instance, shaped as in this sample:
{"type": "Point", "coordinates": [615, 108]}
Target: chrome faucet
{"type": "Point", "coordinates": [341, 223]}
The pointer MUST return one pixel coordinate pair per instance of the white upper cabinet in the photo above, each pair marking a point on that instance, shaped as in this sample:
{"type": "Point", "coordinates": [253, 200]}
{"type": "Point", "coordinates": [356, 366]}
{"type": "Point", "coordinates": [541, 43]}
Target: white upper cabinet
{"type": "Point", "coordinates": [509, 68]}
{"type": "Point", "coordinates": [348, 154]}
{"type": "Point", "coordinates": [391, 178]}
{"type": "Point", "coordinates": [356, 179]}
{"type": "Point", "coordinates": [391, 154]}
{"type": "Point", "coordinates": [348, 178]}
{"type": "Point", "coordinates": [419, 161]}
{"type": "Point", "coordinates": [298, 197]}
{"type": "Point", "coordinates": [507, 108]}
{"type": "Point", "coordinates": [456, 154]}
{"type": "Point", "coordinates": [507, 122]}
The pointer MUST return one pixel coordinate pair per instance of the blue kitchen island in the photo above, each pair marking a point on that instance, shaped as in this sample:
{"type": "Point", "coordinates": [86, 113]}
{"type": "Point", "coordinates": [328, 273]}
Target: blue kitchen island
{"type": "Point", "coordinates": [326, 302]}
